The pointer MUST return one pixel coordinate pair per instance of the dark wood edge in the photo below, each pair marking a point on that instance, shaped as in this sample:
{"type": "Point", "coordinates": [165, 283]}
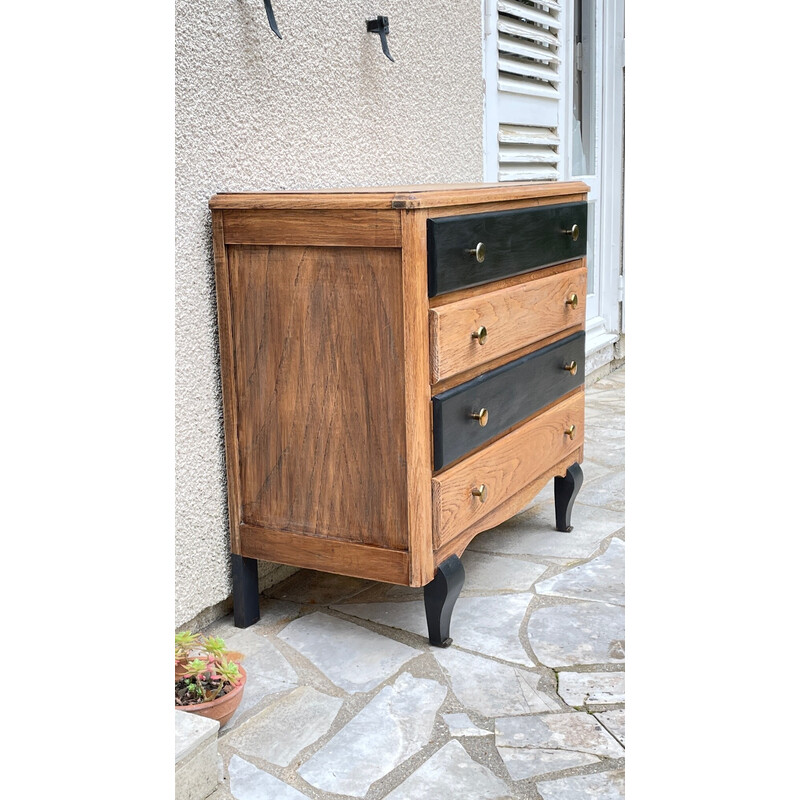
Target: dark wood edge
{"type": "Point", "coordinates": [326, 555]}
{"type": "Point", "coordinates": [512, 506]}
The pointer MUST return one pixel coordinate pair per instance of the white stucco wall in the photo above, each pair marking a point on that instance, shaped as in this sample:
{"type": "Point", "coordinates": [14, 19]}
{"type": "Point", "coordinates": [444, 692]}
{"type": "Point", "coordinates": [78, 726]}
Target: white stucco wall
{"type": "Point", "coordinates": [321, 108]}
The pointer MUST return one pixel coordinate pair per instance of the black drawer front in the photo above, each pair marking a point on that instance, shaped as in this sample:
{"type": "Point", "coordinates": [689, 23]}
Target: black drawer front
{"type": "Point", "coordinates": [515, 241]}
{"type": "Point", "coordinates": [510, 394]}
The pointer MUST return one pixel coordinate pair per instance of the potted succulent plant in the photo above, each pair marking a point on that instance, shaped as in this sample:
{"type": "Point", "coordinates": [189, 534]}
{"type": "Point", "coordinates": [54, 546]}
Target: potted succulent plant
{"type": "Point", "coordinates": [209, 680]}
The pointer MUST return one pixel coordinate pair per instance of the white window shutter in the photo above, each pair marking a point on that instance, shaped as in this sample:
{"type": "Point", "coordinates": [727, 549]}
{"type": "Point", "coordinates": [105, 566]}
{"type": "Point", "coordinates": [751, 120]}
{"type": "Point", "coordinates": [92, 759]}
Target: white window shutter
{"type": "Point", "coordinates": [524, 86]}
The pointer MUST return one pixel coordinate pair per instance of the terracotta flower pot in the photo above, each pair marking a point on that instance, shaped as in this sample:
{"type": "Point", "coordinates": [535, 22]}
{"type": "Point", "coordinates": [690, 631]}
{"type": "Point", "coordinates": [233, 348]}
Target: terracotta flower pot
{"type": "Point", "coordinates": [223, 708]}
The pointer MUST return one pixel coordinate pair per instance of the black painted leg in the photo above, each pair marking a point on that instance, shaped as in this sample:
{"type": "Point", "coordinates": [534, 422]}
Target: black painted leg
{"type": "Point", "coordinates": [567, 489]}
{"type": "Point", "coordinates": [440, 597]}
{"type": "Point", "coordinates": [245, 591]}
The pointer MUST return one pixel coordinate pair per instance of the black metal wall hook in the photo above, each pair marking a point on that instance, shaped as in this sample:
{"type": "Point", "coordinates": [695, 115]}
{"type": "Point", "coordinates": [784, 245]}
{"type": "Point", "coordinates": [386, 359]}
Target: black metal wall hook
{"type": "Point", "coordinates": [271, 18]}
{"type": "Point", "coordinates": [381, 27]}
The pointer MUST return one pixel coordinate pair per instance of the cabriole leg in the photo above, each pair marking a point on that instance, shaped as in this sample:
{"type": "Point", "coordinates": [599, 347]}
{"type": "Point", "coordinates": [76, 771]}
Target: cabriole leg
{"type": "Point", "coordinates": [440, 597]}
{"type": "Point", "coordinates": [567, 489]}
{"type": "Point", "coordinates": [245, 591]}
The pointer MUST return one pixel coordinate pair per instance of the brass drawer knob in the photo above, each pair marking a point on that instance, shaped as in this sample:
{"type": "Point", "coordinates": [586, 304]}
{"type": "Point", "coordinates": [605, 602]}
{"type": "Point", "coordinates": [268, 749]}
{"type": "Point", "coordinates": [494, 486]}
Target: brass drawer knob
{"type": "Point", "coordinates": [480, 491]}
{"type": "Point", "coordinates": [482, 416]}
{"type": "Point", "coordinates": [479, 251]}
{"type": "Point", "coordinates": [480, 335]}
{"type": "Point", "coordinates": [570, 432]}
{"type": "Point", "coordinates": [572, 367]}
{"type": "Point", "coordinates": [572, 300]}
{"type": "Point", "coordinates": [574, 232]}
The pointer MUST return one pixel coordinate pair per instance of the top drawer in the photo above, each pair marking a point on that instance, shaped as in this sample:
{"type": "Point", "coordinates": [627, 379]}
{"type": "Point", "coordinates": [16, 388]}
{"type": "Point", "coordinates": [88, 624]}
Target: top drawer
{"type": "Point", "coordinates": [479, 248]}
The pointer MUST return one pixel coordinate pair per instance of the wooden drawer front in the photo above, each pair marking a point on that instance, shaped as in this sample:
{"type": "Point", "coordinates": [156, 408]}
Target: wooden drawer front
{"type": "Point", "coordinates": [504, 468]}
{"type": "Point", "coordinates": [513, 317]}
{"type": "Point", "coordinates": [515, 241]}
{"type": "Point", "coordinates": [509, 394]}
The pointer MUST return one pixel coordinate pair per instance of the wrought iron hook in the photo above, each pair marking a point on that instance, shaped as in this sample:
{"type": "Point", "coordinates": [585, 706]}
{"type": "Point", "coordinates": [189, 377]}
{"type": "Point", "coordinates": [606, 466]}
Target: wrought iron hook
{"type": "Point", "coordinates": [271, 18]}
{"type": "Point", "coordinates": [381, 27]}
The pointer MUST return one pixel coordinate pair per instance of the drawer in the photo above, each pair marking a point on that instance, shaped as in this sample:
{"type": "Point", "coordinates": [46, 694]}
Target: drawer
{"type": "Point", "coordinates": [504, 468]}
{"type": "Point", "coordinates": [507, 319]}
{"type": "Point", "coordinates": [511, 242]}
{"type": "Point", "coordinates": [508, 395]}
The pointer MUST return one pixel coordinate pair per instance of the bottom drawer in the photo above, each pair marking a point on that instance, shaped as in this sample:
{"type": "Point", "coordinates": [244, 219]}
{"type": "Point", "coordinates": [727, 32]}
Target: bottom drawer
{"type": "Point", "coordinates": [504, 468]}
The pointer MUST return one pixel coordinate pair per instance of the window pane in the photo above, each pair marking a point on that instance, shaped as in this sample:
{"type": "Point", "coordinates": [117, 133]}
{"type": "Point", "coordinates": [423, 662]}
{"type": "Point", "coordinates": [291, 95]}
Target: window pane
{"type": "Point", "coordinates": [584, 103]}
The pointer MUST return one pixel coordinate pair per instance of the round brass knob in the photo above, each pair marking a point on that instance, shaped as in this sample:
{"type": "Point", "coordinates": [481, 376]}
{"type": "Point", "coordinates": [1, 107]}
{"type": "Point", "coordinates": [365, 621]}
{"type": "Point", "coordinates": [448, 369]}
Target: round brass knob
{"type": "Point", "coordinates": [480, 491]}
{"type": "Point", "coordinates": [572, 367]}
{"type": "Point", "coordinates": [482, 416]}
{"type": "Point", "coordinates": [572, 300]}
{"type": "Point", "coordinates": [574, 232]}
{"type": "Point", "coordinates": [480, 335]}
{"type": "Point", "coordinates": [570, 432]}
{"type": "Point", "coordinates": [479, 251]}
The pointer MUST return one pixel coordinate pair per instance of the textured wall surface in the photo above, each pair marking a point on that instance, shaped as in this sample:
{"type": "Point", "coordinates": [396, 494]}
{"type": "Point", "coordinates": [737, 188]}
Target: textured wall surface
{"type": "Point", "coordinates": [321, 108]}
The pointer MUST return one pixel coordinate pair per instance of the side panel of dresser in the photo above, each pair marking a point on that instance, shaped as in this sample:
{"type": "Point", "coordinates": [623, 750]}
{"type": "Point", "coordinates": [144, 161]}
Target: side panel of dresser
{"type": "Point", "coordinates": [314, 381]}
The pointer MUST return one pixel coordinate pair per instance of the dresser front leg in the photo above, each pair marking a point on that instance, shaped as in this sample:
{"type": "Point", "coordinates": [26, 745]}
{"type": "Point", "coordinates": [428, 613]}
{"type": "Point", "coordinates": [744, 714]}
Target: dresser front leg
{"type": "Point", "coordinates": [245, 591]}
{"type": "Point", "coordinates": [567, 489]}
{"type": "Point", "coordinates": [440, 597]}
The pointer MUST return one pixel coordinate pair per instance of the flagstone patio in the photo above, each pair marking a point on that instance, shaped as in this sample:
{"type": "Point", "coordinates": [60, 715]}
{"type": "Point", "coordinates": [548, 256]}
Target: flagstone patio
{"type": "Point", "coordinates": [345, 697]}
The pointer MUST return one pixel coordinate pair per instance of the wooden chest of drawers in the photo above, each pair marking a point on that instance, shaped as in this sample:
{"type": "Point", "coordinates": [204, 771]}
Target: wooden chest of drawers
{"type": "Point", "coordinates": [402, 369]}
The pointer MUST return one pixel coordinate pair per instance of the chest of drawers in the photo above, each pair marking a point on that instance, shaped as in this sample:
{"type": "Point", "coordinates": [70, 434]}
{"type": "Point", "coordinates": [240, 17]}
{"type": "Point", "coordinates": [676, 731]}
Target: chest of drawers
{"type": "Point", "coordinates": [402, 369]}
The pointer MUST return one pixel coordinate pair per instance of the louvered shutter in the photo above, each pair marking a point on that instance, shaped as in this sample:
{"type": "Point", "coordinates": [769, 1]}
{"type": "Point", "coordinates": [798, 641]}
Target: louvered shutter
{"type": "Point", "coordinates": [524, 73]}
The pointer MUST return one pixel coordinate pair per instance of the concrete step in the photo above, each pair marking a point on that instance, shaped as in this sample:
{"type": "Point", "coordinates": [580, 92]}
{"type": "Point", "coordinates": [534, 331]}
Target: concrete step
{"type": "Point", "coordinates": [198, 767]}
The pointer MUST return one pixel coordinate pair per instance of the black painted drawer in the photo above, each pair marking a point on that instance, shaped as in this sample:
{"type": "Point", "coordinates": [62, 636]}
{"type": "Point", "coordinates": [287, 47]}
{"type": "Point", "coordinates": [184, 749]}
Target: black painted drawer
{"type": "Point", "coordinates": [515, 241]}
{"type": "Point", "coordinates": [510, 394]}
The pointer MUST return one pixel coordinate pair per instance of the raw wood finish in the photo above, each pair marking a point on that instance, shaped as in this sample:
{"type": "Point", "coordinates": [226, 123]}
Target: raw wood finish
{"type": "Point", "coordinates": [505, 468]}
{"type": "Point", "coordinates": [326, 555]}
{"type": "Point", "coordinates": [348, 227]}
{"type": "Point", "coordinates": [226, 357]}
{"type": "Point", "coordinates": [417, 399]}
{"type": "Point", "coordinates": [507, 395]}
{"type": "Point", "coordinates": [513, 317]}
{"type": "Point", "coordinates": [507, 509]}
{"type": "Point", "coordinates": [400, 197]}
{"type": "Point", "coordinates": [515, 241]}
{"type": "Point", "coordinates": [319, 367]}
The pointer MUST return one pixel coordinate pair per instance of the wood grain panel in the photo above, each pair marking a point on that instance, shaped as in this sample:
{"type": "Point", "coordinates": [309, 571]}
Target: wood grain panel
{"type": "Point", "coordinates": [326, 555]}
{"type": "Point", "coordinates": [513, 317]}
{"type": "Point", "coordinates": [320, 391]}
{"type": "Point", "coordinates": [417, 403]}
{"type": "Point", "coordinates": [347, 228]}
{"type": "Point", "coordinates": [226, 357]}
{"type": "Point", "coordinates": [505, 468]}
{"type": "Point", "coordinates": [405, 197]}
{"type": "Point", "coordinates": [508, 508]}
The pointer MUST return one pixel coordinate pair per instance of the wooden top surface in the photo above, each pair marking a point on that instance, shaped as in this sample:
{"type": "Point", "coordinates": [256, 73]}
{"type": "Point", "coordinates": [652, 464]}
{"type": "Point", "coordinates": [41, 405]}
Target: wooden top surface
{"type": "Point", "coordinates": [399, 197]}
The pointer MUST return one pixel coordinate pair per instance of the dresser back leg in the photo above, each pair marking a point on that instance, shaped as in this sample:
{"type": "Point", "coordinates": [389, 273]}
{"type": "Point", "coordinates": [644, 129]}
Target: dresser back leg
{"type": "Point", "coordinates": [245, 591]}
{"type": "Point", "coordinates": [440, 597]}
{"type": "Point", "coordinates": [566, 490]}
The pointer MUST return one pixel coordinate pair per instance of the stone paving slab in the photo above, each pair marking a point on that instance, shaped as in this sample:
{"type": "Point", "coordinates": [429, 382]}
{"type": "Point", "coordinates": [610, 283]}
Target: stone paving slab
{"type": "Point", "coordinates": [288, 726]}
{"type": "Point", "coordinates": [614, 722]}
{"type": "Point", "coordinates": [462, 725]}
{"type": "Point", "coordinates": [489, 625]}
{"type": "Point", "coordinates": [601, 579]}
{"type": "Point", "coordinates": [591, 688]}
{"type": "Point", "coordinates": [352, 657]}
{"type": "Point", "coordinates": [493, 689]}
{"type": "Point", "coordinates": [535, 745]}
{"type": "Point", "coordinates": [533, 535]}
{"type": "Point", "coordinates": [268, 673]}
{"type": "Point", "coordinates": [597, 786]}
{"type": "Point", "coordinates": [450, 774]}
{"type": "Point", "coordinates": [580, 633]}
{"type": "Point", "coordinates": [393, 726]}
{"type": "Point", "coordinates": [248, 782]}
